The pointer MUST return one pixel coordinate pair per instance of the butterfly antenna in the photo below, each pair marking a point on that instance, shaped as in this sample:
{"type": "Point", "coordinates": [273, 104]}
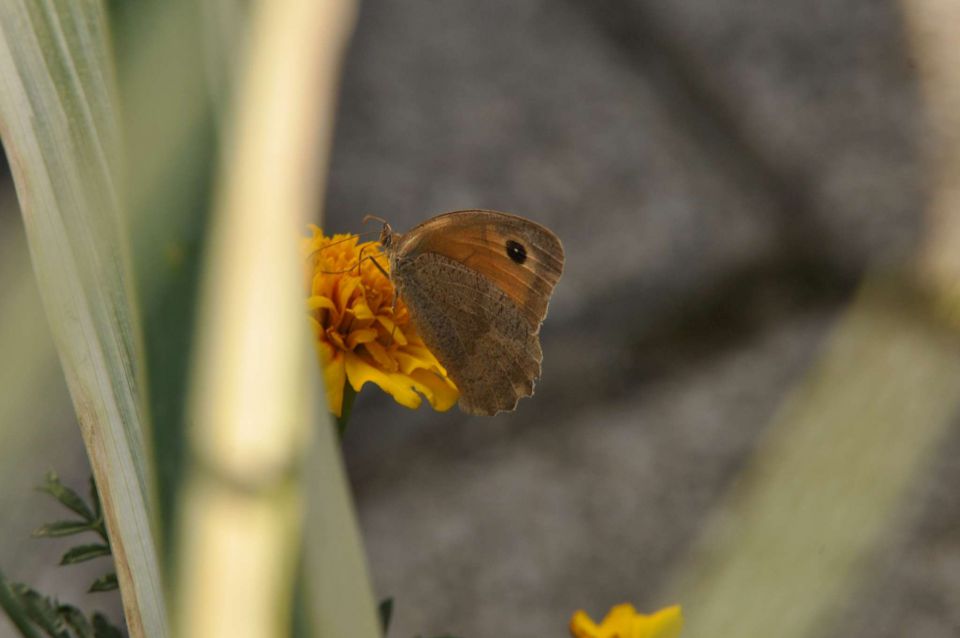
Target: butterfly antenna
{"type": "Point", "coordinates": [367, 218]}
{"type": "Point", "coordinates": [339, 241]}
{"type": "Point", "coordinates": [352, 268]}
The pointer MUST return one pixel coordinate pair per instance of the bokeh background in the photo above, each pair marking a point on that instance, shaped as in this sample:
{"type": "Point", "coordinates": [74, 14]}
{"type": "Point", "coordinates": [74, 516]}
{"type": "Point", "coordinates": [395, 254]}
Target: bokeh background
{"type": "Point", "coordinates": [722, 175]}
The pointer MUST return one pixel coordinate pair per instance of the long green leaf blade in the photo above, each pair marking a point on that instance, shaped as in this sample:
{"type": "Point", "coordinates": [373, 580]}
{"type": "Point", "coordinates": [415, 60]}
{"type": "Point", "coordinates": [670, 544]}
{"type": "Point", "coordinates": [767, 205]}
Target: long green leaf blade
{"type": "Point", "coordinates": [59, 129]}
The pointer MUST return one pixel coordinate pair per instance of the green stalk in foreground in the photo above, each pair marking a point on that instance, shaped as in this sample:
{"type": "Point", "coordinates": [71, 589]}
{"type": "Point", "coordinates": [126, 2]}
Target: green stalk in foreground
{"type": "Point", "coordinates": [247, 495]}
{"type": "Point", "coordinates": [59, 129]}
{"type": "Point", "coordinates": [834, 474]}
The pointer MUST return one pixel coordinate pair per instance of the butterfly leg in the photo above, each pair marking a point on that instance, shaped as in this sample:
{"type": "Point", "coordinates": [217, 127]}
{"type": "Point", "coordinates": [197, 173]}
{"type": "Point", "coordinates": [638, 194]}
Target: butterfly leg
{"type": "Point", "coordinates": [396, 295]}
{"type": "Point", "coordinates": [396, 298]}
{"type": "Point", "coordinates": [360, 260]}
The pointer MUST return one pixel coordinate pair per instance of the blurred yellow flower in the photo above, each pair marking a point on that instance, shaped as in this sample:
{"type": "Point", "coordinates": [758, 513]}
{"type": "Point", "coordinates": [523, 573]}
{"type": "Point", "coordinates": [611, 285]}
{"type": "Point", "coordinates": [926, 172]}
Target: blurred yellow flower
{"type": "Point", "coordinates": [359, 334]}
{"type": "Point", "coordinates": [623, 621]}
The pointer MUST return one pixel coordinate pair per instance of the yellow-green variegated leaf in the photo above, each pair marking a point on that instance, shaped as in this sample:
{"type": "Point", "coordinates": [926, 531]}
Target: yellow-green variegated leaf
{"type": "Point", "coordinates": [261, 477]}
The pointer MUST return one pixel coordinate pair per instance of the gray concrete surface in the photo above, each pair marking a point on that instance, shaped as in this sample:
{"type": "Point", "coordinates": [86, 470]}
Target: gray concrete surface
{"type": "Point", "coordinates": [720, 173]}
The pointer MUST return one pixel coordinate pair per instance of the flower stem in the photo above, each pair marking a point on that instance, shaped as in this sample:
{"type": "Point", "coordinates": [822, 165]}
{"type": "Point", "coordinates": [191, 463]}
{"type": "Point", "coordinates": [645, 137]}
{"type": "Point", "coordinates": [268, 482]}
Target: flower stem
{"type": "Point", "coordinates": [349, 394]}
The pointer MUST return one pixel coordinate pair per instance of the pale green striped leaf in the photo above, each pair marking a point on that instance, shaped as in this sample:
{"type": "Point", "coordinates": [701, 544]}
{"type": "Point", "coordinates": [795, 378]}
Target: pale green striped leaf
{"type": "Point", "coordinates": [60, 132]}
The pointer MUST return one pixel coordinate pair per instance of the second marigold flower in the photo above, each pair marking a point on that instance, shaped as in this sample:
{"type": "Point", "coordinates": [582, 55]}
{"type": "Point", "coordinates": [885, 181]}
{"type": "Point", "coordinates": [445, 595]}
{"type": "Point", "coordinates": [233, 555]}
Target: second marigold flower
{"type": "Point", "coordinates": [624, 621]}
{"type": "Point", "coordinates": [361, 333]}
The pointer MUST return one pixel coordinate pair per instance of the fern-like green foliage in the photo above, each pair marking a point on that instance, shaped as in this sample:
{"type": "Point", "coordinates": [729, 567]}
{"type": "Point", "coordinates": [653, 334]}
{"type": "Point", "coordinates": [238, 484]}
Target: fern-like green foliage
{"type": "Point", "coordinates": [36, 615]}
{"type": "Point", "coordinates": [91, 520]}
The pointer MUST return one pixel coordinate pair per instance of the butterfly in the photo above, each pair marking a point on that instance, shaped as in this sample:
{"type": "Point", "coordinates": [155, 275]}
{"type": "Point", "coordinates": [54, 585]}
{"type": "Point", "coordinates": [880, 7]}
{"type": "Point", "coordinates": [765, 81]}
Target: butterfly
{"type": "Point", "coordinates": [477, 284]}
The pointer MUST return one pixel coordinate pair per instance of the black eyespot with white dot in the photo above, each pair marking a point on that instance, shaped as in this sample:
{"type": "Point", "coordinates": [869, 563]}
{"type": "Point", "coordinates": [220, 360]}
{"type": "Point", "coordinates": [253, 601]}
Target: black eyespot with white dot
{"type": "Point", "coordinates": [516, 251]}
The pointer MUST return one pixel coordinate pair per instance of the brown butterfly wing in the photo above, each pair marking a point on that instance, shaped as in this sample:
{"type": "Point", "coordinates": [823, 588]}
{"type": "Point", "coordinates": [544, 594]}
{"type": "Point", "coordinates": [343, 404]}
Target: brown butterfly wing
{"type": "Point", "coordinates": [520, 257]}
{"type": "Point", "coordinates": [475, 329]}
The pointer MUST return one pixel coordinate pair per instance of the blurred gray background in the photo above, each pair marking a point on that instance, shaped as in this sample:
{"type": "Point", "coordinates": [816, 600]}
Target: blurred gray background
{"type": "Point", "coordinates": [721, 174]}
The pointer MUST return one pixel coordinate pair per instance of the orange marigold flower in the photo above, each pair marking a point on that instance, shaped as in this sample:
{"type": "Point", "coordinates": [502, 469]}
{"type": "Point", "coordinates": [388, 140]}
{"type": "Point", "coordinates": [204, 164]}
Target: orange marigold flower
{"type": "Point", "coordinates": [359, 333]}
{"type": "Point", "coordinates": [623, 621]}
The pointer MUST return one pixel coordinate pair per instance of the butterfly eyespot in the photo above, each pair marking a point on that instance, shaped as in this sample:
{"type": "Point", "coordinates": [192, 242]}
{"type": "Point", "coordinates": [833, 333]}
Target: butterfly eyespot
{"type": "Point", "coordinates": [516, 251]}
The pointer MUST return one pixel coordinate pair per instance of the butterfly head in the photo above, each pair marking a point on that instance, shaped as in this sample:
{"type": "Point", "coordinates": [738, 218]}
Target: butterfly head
{"type": "Point", "coordinates": [387, 236]}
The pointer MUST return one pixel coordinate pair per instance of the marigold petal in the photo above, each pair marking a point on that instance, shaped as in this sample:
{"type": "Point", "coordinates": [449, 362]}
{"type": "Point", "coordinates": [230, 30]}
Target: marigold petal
{"type": "Point", "coordinates": [392, 331]}
{"type": "Point", "coordinates": [439, 391]}
{"type": "Point", "coordinates": [334, 375]}
{"type": "Point", "coordinates": [361, 310]}
{"type": "Point", "coordinates": [407, 363]}
{"type": "Point", "coordinates": [347, 286]}
{"type": "Point", "coordinates": [423, 353]}
{"type": "Point", "coordinates": [336, 339]}
{"type": "Point", "coordinates": [360, 371]}
{"type": "Point", "coordinates": [381, 356]}
{"type": "Point", "coordinates": [581, 626]}
{"type": "Point", "coordinates": [365, 335]}
{"type": "Point", "coordinates": [623, 621]}
{"type": "Point", "coordinates": [619, 613]}
{"type": "Point", "coordinates": [665, 623]}
{"type": "Point", "coordinates": [319, 301]}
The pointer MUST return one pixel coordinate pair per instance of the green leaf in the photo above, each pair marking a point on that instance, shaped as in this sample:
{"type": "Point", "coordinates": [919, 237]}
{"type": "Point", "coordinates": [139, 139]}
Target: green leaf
{"type": "Point", "coordinates": [349, 395]}
{"type": "Point", "coordinates": [386, 613]}
{"type": "Point", "coordinates": [42, 611]}
{"type": "Point", "coordinates": [67, 497]}
{"type": "Point", "coordinates": [62, 528]}
{"type": "Point", "coordinates": [61, 135]}
{"type": "Point", "coordinates": [832, 476]}
{"type": "Point", "coordinates": [14, 608]}
{"type": "Point", "coordinates": [103, 629]}
{"type": "Point", "coordinates": [107, 582]}
{"type": "Point", "coordinates": [339, 585]}
{"type": "Point", "coordinates": [82, 553]}
{"type": "Point", "coordinates": [75, 620]}
{"type": "Point", "coordinates": [341, 599]}
{"type": "Point", "coordinates": [95, 498]}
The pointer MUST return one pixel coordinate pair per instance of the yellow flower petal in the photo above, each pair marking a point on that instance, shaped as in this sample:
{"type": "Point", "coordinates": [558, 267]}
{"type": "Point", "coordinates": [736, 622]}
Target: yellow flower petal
{"type": "Point", "coordinates": [439, 391]}
{"type": "Point", "coordinates": [361, 310]}
{"type": "Point", "coordinates": [334, 376]}
{"type": "Point", "coordinates": [347, 286]}
{"type": "Point", "coordinates": [582, 627]}
{"type": "Point", "coordinates": [361, 336]}
{"type": "Point", "coordinates": [666, 623]}
{"type": "Point", "coordinates": [318, 301]}
{"type": "Point", "coordinates": [336, 339]}
{"type": "Point", "coordinates": [623, 621]}
{"type": "Point", "coordinates": [391, 330]}
{"type": "Point", "coordinates": [619, 613]}
{"type": "Point", "coordinates": [359, 372]}
{"type": "Point", "coordinates": [381, 356]}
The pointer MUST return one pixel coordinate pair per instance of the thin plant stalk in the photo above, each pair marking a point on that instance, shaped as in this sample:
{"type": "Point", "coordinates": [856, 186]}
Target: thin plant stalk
{"type": "Point", "coordinates": [832, 478]}
{"type": "Point", "coordinates": [243, 504]}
